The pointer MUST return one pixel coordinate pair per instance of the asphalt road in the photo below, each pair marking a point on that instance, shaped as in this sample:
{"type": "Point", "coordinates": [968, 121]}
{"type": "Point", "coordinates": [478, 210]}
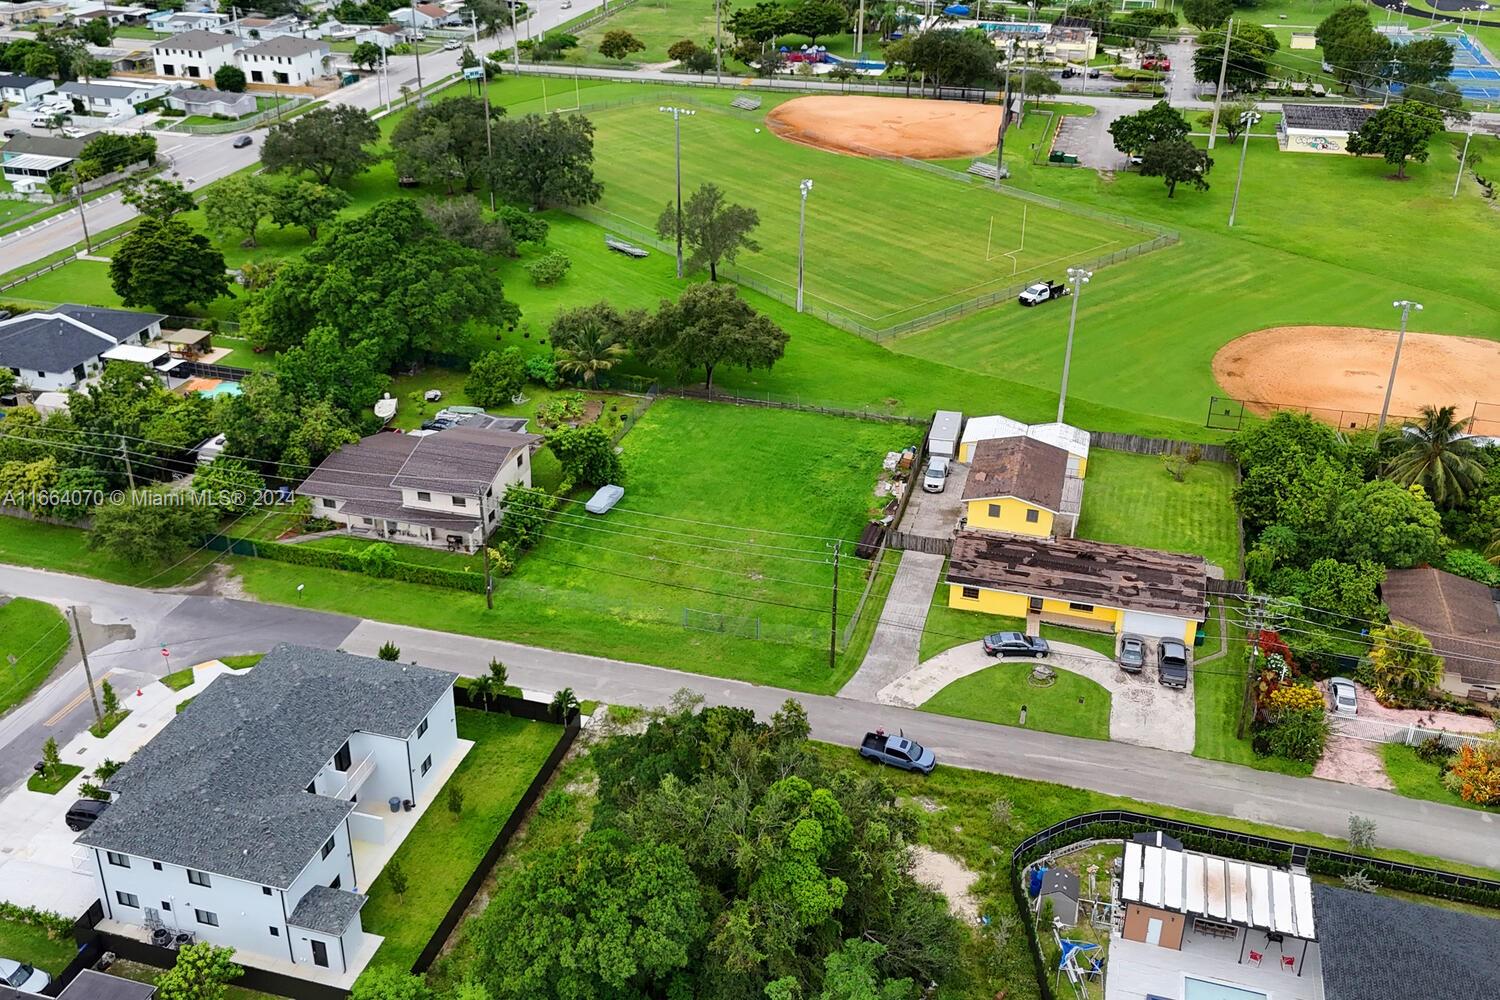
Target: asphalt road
{"type": "Point", "coordinates": [196, 628]}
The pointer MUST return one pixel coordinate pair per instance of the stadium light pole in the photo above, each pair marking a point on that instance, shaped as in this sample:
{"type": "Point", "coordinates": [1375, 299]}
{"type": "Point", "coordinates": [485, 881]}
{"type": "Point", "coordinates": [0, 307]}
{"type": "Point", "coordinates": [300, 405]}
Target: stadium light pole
{"type": "Point", "coordinates": [1213, 128]}
{"type": "Point", "coordinates": [806, 187]}
{"type": "Point", "coordinates": [1463, 157]}
{"type": "Point", "coordinates": [677, 115]}
{"type": "Point", "coordinates": [1079, 277]}
{"type": "Point", "coordinates": [1247, 122]}
{"type": "Point", "coordinates": [1406, 306]}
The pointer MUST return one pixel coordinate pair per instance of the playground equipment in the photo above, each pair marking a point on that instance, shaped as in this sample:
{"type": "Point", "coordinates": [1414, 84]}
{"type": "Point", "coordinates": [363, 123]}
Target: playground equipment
{"type": "Point", "coordinates": [1075, 963]}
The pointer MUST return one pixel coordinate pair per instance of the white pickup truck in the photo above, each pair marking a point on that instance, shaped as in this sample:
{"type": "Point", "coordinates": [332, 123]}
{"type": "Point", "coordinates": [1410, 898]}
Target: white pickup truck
{"type": "Point", "coordinates": [1042, 291]}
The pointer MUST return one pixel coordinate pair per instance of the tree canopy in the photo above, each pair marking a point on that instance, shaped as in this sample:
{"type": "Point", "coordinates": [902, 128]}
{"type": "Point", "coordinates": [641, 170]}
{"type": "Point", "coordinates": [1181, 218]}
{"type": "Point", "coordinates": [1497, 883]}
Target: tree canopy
{"type": "Point", "coordinates": [167, 266]}
{"type": "Point", "coordinates": [1177, 161]}
{"type": "Point", "coordinates": [328, 142]}
{"type": "Point", "coordinates": [1399, 133]}
{"type": "Point", "coordinates": [713, 227]}
{"type": "Point", "coordinates": [708, 326]}
{"type": "Point", "coordinates": [444, 142]}
{"type": "Point", "coordinates": [546, 160]}
{"type": "Point", "coordinates": [1158, 123]}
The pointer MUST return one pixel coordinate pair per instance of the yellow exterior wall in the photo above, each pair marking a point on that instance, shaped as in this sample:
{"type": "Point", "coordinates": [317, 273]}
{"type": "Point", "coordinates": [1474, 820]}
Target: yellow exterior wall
{"type": "Point", "coordinates": [965, 450]}
{"type": "Point", "coordinates": [1083, 467]}
{"type": "Point", "coordinates": [993, 602]}
{"type": "Point", "coordinates": [1012, 517]}
{"type": "Point", "coordinates": [1105, 616]}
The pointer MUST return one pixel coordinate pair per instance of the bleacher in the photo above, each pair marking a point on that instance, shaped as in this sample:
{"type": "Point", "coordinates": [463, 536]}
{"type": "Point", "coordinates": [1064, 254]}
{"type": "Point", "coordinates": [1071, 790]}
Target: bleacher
{"type": "Point", "coordinates": [746, 103]}
{"type": "Point", "coordinates": [628, 249]}
{"type": "Point", "coordinates": [986, 169]}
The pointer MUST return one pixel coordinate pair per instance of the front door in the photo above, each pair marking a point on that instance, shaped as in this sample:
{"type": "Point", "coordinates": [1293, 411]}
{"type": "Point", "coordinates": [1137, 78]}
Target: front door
{"type": "Point", "coordinates": [1153, 933]}
{"type": "Point", "coordinates": [320, 950]}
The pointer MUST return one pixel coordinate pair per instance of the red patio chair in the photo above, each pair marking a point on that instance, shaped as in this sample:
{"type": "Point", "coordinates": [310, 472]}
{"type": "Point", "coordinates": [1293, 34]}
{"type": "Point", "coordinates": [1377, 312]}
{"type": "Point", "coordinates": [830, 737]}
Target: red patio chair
{"type": "Point", "coordinates": [1288, 963]}
{"type": "Point", "coordinates": [1255, 957]}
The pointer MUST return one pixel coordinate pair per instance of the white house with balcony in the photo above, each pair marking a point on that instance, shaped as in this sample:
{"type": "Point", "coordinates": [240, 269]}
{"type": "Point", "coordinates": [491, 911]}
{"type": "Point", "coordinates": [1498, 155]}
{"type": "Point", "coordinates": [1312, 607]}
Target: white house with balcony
{"type": "Point", "coordinates": [193, 55]}
{"type": "Point", "coordinates": [285, 60]}
{"type": "Point", "coordinates": [260, 815]}
{"type": "Point", "coordinates": [441, 489]}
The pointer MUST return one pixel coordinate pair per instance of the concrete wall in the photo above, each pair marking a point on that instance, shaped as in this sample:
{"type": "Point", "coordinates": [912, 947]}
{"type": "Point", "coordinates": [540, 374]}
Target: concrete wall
{"type": "Point", "coordinates": [1310, 141]}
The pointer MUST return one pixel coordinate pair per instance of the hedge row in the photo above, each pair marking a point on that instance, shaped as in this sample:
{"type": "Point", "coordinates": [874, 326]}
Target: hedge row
{"type": "Point", "coordinates": [349, 562]}
{"type": "Point", "coordinates": [55, 924]}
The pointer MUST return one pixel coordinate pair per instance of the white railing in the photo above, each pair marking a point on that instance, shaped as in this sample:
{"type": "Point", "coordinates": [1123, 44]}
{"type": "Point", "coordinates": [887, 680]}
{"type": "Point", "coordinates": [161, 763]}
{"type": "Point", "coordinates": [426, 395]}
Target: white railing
{"type": "Point", "coordinates": [83, 861]}
{"type": "Point", "coordinates": [355, 777]}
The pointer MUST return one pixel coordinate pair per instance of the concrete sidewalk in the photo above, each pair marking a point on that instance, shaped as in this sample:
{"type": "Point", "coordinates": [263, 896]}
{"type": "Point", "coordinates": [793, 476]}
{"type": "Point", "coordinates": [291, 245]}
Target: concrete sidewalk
{"type": "Point", "coordinates": [895, 647]}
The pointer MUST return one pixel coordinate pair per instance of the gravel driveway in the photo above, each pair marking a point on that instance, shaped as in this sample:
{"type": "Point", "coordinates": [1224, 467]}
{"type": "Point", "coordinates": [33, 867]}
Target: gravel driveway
{"type": "Point", "coordinates": [1141, 710]}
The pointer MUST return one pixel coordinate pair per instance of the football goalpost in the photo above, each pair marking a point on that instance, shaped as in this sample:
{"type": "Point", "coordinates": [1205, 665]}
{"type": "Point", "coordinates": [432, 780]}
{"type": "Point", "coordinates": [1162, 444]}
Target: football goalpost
{"type": "Point", "coordinates": [576, 102]}
{"type": "Point", "coordinates": [989, 244]}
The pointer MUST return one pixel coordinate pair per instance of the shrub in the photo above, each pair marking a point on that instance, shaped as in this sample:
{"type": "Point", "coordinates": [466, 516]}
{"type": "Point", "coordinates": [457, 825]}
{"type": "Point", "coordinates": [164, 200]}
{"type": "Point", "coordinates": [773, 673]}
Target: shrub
{"type": "Point", "coordinates": [1403, 663]}
{"type": "Point", "coordinates": [496, 378]}
{"type": "Point", "coordinates": [524, 226]}
{"type": "Point", "coordinates": [1475, 774]}
{"type": "Point", "coordinates": [1361, 834]}
{"type": "Point", "coordinates": [1467, 562]}
{"type": "Point", "coordinates": [1295, 698]}
{"type": "Point", "coordinates": [1434, 751]}
{"type": "Point", "coordinates": [377, 559]}
{"type": "Point", "coordinates": [1298, 736]}
{"type": "Point", "coordinates": [542, 369]}
{"type": "Point", "coordinates": [389, 651]}
{"type": "Point", "coordinates": [549, 268]}
{"type": "Point", "coordinates": [395, 877]}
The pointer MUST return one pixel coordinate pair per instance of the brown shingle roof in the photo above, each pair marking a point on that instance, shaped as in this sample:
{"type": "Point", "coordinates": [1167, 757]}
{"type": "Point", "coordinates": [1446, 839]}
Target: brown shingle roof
{"type": "Point", "coordinates": [1459, 611]}
{"type": "Point", "coordinates": [1085, 572]}
{"type": "Point", "coordinates": [1018, 467]}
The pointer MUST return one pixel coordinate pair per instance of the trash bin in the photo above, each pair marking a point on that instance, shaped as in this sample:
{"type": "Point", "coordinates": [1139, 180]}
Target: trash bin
{"type": "Point", "coordinates": [395, 803]}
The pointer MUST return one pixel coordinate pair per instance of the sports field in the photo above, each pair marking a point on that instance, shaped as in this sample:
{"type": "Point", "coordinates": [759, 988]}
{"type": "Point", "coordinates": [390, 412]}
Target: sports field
{"type": "Point", "coordinates": [886, 243]}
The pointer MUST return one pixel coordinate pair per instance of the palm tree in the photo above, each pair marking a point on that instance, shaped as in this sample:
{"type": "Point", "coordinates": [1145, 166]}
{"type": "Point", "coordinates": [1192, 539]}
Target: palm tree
{"type": "Point", "coordinates": [1435, 453]}
{"type": "Point", "coordinates": [588, 350]}
{"type": "Point", "coordinates": [484, 686]}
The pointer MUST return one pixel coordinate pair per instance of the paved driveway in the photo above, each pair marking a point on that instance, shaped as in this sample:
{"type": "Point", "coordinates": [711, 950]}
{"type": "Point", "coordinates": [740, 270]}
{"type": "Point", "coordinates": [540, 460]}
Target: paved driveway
{"type": "Point", "coordinates": [1141, 710]}
{"type": "Point", "coordinates": [936, 514]}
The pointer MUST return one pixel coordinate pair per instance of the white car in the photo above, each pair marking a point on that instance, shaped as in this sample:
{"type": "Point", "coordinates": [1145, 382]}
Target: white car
{"type": "Point", "coordinates": [1345, 698]}
{"type": "Point", "coordinates": [23, 977]}
{"type": "Point", "coordinates": [452, 44]}
{"type": "Point", "coordinates": [936, 476]}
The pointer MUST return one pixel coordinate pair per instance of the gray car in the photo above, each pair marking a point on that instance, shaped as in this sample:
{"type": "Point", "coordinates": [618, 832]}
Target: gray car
{"type": "Point", "coordinates": [1172, 663]}
{"type": "Point", "coordinates": [1132, 658]}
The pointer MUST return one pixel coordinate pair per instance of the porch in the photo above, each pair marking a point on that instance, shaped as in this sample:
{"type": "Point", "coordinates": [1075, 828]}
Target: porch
{"type": "Point", "coordinates": [1218, 953]}
{"type": "Point", "coordinates": [356, 962]}
{"type": "Point", "coordinates": [376, 832]}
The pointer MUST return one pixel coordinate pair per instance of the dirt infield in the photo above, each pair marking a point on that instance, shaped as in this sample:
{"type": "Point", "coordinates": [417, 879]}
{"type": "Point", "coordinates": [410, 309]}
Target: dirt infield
{"type": "Point", "coordinates": [1333, 368]}
{"type": "Point", "coordinates": [889, 126]}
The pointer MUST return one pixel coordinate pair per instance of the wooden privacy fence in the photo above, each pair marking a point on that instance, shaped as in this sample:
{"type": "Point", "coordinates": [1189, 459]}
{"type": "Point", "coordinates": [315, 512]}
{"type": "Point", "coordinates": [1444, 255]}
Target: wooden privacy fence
{"type": "Point", "coordinates": [1137, 445]}
{"type": "Point", "coordinates": [907, 542]}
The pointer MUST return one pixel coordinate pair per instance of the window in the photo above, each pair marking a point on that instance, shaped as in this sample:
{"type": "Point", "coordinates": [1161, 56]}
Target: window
{"type": "Point", "coordinates": [327, 502]}
{"type": "Point", "coordinates": [118, 860]}
{"type": "Point", "coordinates": [460, 501]}
{"type": "Point", "coordinates": [166, 906]}
{"type": "Point", "coordinates": [276, 932]}
{"type": "Point", "coordinates": [994, 510]}
{"type": "Point", "coordinates": [199, 878]}
{"type": "Point", "coordinates": [265, 890]}
{"type": "Point", "coordinates": [343, 758]}
{"type": "Point", "coordinates": [971, 593]}
{"type": "Point", "coordinates": [328, 847]}
{"type": "Point", "coordinates": [424, 496]}
{"type": "Point", "coordinates": [206, 918]}
{"type": "Point", "coordinates": [127, 899]}
{"type": "Point", "coordinates": [422, 729]}
{"type": "Point", "coordinates": [1074, 606]}
{"type": "Point", "coordinates": [337, 883]}
{"type": "Point", "coordinates": [427, 764]}
{"type": "Point", "coordinates": [1033, 515]}
{"type": "Point", "coordinates": [156, 865]}
{"type": "Point", "coordinates": [520, 459]}
{"type": "Point", "coordinates": [367, 520]}
{"type": "Point", "coordinates": [320, 953]}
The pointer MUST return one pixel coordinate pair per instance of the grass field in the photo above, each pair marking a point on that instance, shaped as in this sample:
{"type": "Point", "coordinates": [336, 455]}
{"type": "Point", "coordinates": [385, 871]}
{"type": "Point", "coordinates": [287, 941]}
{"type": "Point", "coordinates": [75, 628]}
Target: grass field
{"type": "Point", "coordinates": [1417, 779]}
{"type": "Point", "coordinates": [910, 263]}
{"type": "Point", "coordinates": [26, 943]}
{"type": "Point", "coordinates": [33, 637]}
{"type": "Point", "coordinates": [1074, 706]}
{"type": "Point", "coordinates": [66, 550]}
{"type": "Point", "coordinates": [442, 850]}
{"type": "Point", "coordinates": [1132, 500]}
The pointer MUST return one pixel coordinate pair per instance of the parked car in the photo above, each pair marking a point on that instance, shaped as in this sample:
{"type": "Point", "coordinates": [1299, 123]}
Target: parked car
{"type": "Point", "coordinates": [1132, 656]}
{"type": "Point", "coordinates": [1345, 696]}
{"type": "Point", "coordinates": [1015, 644]}
{"type": "Point", "coordinates": [23, 977]}
{"type": "Point", "coordinates": [81, 814]}
{"type": "Point", "coordinates": [453, 44]}
{"type": "Point", "coordinates": [242, 141]}
{"type": "Point", "coordinates": [1094, 73]}
{"type": "Point", "coordinates": [897, 751]}
{"type": "Point", "coordinates": [1172, 663]}
{"type": "Point", "coordinates": [1042, 291]}
{"type": "Point", "coordinates": [936, 477]}
{"type": "Point", "coordinates": [11, 133]}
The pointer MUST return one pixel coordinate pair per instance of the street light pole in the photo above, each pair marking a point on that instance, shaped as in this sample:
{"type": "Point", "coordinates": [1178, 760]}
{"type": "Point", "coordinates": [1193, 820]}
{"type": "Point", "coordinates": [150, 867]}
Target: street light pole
{"type": "Point", "coordinates": [1463, 157]}
{"type": "Point", "coordinates": [1247, 122]}
{"type": "Point", "coordinates": [806, 188]}
{"type": "Point", "coordinates": [489, 140]}
{"type": "Point", "coordinates": [1079, 277]}
{"type": "Point", "coordinates": [416, 47]}
{"type": "Point", "coordinates": [1406, 306]}
{"type": "Point", "coordinates": [718, 46]}
{"type": "Point", "coordinates": [677, 116]}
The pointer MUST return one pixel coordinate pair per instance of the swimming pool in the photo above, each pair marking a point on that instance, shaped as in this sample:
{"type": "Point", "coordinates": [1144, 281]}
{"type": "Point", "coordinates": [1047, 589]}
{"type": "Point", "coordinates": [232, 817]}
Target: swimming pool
{"type": "Point", "coordinates": [222, 389]}
{"type": "Point", "coordinates": [1204, 989]}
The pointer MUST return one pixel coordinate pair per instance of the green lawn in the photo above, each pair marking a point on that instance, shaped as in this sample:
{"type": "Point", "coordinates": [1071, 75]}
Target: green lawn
{"type": "Point", "coordinates": [240, 353]}
{"type": "Point", "coordinates": [756, 596]}
{"type": "Point", "coordinates": [1073, 706]}
{"type": "Point", "coordinates": [1218, 691]}
{"type": "Point", "coordinates": [443, 850]}
{"type": "Point", "coordinates": [87, 282]}
{"type": "Point", "coordinates": [1417, 779]}
{"type": "Point", "coordinates": [33, 638]}
{"type": "Point", "coordinates": [26, 943]}
{"type": "Point", "coordinates": [179, 679]}
{"type": "Point", "coordinates": [149, 974]}
{"type": "Point", "coordinates": [422, 556]}
{"type": "Point", "coordinates": [66, 550]}
{"type": "Point", "coordinates": [1132, 500]}
{"type": "Point", "coordinates": [55, 782]}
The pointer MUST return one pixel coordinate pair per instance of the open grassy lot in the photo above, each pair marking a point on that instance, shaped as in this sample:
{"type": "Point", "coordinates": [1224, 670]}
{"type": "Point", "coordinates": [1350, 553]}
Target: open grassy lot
{"type": "Point", "coordinates": [1073, 706]}
{"type": "Point", "coordinates": [25, 943]}
{"type": "Point", "coordinates": [33, 637]}
{"type": "Point", "coordinates": [1417, 779]}
{"type": "Point", "coordinates": [913, 262]}
{"type": "Point", "coordinates": [1132, 500]}
{"type": "Point", "coordinates": [657, 580]}
{"type": "Point", "coordinates": [149, 974]}
{"type": "Point", "coordinates": [442, 850]}
{"type": "Point", "coordinates": [66, 550]}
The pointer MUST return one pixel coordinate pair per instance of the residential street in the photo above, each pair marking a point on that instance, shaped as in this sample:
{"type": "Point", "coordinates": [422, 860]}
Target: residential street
{"type": "Point", "coordinates": [197, 628]}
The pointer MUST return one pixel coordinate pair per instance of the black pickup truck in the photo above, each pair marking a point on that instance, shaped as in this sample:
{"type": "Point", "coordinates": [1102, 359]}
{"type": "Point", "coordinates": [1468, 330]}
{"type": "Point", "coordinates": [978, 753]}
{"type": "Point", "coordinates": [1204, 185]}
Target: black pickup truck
{"type": "Point", "coordinates": [897, 751]}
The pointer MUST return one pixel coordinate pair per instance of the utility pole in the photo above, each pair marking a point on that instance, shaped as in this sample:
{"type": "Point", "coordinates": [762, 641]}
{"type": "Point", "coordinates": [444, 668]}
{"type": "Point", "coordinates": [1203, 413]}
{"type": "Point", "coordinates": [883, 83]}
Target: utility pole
{"type": "Point", "coordinates": [1462, 159]}
{"type": "Point", "coordinates": [1247, 122]}
{"type": "Point", "coordinates": [129, 471]}
{"type": "Point", "coordinates": [806, 188]}
{"type": "Point", "coordinates": [484, 547]}
{"type": "Point", "coordinates": [1213, 128]}
{"type": "Point", "coordinates": [833, 621]}
{"type": "Point", "coordinates": [88, 244]}
{"type": "Point", "coordinates": [416, 48]}
{"type": "Point", "coordinates": [489, 141]}
{"type": "Point", "coordinates": [719, 44]}
{"type": "Point", "coordinates": [1406, 306]}
{"type": "Point", "coordinates": [1079, 277]}
{"type": "Point", "coordinates": [515, 39]}
{"type": "Point", "coordinates": [1257, 611]}
{"type": "Point", "coordinates": [859, 33]}
{"type": "Point", "coordinates": [88, 673]}
{"type": "Point", "coordinates": [677, 116]}
{"type": "Point", "coordinates": [1010, 54]}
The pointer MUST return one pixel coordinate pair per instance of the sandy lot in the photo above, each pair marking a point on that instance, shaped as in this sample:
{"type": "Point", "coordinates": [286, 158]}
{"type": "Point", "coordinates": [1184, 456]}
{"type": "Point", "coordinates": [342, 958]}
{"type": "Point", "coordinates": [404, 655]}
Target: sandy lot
{"type": "Point", "coordinates": [888, 126]}
{"type": "Point", "coordinates": [947, 875]}
{"type": "Point", "coordinates": [1331, 369]}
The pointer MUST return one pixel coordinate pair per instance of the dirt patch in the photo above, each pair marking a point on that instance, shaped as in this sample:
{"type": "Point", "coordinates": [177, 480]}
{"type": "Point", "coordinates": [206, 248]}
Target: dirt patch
{"type": "Point", "coordinates": [949, 876]}
{"type": "Point", "coordinates": [888, 126]}
{"type": "Point", "coordinates": [1339, 373]}
{"type": "Point", "coordinates": [1354, 762]}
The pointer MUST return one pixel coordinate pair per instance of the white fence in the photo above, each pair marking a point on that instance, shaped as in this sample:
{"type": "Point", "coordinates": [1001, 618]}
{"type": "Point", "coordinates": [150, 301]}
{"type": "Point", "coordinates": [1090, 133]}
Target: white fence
{"type": "Point", "coordinates": [1408, 734]}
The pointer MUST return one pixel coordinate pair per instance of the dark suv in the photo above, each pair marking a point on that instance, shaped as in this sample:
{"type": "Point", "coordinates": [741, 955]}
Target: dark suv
{"type": "Point", "coordinates": [1015, 644]}
{"type": "Point", "coordinates": [1172, 663]}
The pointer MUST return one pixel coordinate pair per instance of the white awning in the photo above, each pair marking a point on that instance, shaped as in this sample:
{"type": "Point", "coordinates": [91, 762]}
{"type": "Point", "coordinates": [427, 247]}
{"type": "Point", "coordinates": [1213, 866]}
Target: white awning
{"type": "Point", "coordinates": [1237, 892]}
{"type": "Point", "coordinates": [1130, 883]}
{"type": "Point", "coordinates": [35, 161]}
{"type": "Point", "coordinates": [136, 353]}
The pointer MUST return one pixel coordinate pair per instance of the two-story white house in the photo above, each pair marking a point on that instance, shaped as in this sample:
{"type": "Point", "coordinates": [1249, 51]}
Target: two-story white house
{"type": "Point", "coordinates": [195, 55]}
{"type": "Point", "coordinates": [442, 489]}
{"type": "Point", "coordinates": [246, 821]}
{"type": "Point", "coordinates": [61, 347]}
{"type": "Point", "coordinates": [286, 60]}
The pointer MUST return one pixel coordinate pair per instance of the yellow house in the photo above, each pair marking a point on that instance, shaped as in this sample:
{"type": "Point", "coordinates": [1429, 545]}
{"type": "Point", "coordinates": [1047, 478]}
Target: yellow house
{"type": "Point", "coordinates": [1015, 484]}
{"type": "Point", "coordinates": [1073, 581]}
{"type": "Point", "coordinates": [1073, 440]}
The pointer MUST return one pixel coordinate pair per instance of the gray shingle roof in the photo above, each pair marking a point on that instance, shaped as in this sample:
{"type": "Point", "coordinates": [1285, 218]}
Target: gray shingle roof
{"type": "Point", "coordinates": [327, 911]}
{"type": "Point", "coordinates": [1377, 948]}
{"type": "Point", "coordinates": [19, 80]}
{"type": "Point", "coordinates": [47, 145]}
{"type": "Point", "coordinates": [1333, 117]}
{"type": "Point", "coordinates": [112, 91]}
{"type": "Point", "coordinates": [120, 324]}
{"type": "Point", "coordinates": [286, 45]}
{"type": "Point", "coordinates": [69, 335]}
{"type": "Point", "coordinates": [222, 788]}
{"type": "Point", "coordinates": [196, 40]}
{"type": "Point", "coordinates": [91, 985]}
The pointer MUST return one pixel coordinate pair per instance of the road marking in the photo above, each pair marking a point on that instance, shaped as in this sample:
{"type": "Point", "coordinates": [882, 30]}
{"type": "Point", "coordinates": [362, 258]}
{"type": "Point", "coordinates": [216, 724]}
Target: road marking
{"type": "Point", "coordinates": [78, 699]}
{"type": "Point", "coordinates": [1070, 760]}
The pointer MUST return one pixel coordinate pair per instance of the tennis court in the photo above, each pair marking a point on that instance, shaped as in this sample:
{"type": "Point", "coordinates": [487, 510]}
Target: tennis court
{"type": "Point", "coordinates": [1474, 73]}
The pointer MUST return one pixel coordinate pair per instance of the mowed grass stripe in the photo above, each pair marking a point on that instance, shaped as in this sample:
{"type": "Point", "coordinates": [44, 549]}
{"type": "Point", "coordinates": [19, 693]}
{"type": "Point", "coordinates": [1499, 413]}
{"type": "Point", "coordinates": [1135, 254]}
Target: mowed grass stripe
{"type": "Point", "coordinates": [885, 242]}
